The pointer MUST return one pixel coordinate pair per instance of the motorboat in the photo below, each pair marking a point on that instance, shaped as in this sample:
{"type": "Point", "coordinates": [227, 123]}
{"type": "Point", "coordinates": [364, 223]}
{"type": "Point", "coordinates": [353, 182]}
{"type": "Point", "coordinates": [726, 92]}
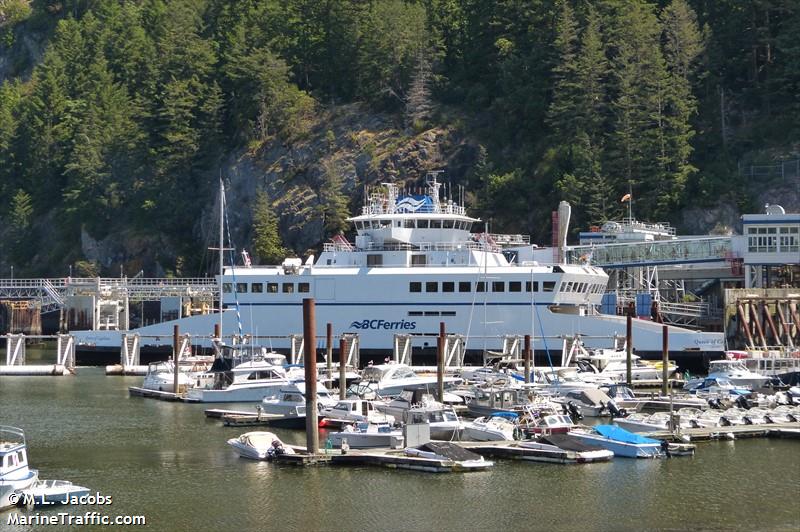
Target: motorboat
{"type": "Point", "coordinates": [442, 420]}
{"type": "Point", "coordinates": [50, 492]}
{"type": "Point", "coordinates": [390, 379]}
{"type": "Point", "coordinates": [355, 411]}
{"type": "Point", "coordinates": [259, 445]}
{"type": "Point", "coordinates": [563, 380]}
{"type": "Point", "coordinates": [613, 364]}
{"type": "Point", "coordinates": [717, 386]}
{"type": "Point", "coordinates": [460, 459]}
{"type": "Point", "coordinates": [592, 403]}
{"type": "Point", "coordinates": [290, 402]}
{"type": "Point", "coordinates": [246, 382]}
{"type": "Point", "coordinates": [488, 400]}
{"type": "Point", "coordinates": [15, 475]}
{"type": "Point", "coordinates": [783, 414]}
{"type": "Point", "coordinates": [561, 449]}
{"type": "Point", "coordinates": [368, 435]}
{"type": "Point", "coordinates": [545, 420]}
{"type": "Point", "coordinates": [500, 426]}
{"type": "Point", "coordinates": [756, 416]}
{"type": "Point", "coordinates": [737, 373]}
{"type": "Point", "coordinates": [657, 422]}
{"type": "Point", "coordinates": [619, 441]}
{"type": "Point", "coordinates": [160, 376]}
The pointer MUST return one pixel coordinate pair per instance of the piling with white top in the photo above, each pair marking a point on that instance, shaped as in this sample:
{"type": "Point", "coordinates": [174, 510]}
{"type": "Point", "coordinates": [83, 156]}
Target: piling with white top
{"type": "Point", "coordinates": [342, 368]}
{"type": "Point", "coordinates": [664, 360]}
{"type": "Point", "coordinates": [629, 344]}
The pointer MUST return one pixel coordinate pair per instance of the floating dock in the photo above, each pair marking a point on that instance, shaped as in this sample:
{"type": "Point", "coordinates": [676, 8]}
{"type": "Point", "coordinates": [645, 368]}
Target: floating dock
{"type": "Point", "coordinates": [735, 432]}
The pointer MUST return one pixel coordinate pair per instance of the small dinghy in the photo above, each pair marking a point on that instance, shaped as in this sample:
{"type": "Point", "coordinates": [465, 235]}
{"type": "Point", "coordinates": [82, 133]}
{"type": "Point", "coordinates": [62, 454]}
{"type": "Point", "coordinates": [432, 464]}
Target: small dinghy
{"type": "Point", "coordinates": [50, 492]}
{"type": "Point", "coordinates": [259, 445]}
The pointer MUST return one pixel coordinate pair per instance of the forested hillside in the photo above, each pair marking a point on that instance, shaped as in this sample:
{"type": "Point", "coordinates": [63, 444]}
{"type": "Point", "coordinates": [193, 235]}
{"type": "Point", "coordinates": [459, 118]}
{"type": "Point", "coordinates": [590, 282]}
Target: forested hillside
{"type": "Point", "coordinates": [117, 117]}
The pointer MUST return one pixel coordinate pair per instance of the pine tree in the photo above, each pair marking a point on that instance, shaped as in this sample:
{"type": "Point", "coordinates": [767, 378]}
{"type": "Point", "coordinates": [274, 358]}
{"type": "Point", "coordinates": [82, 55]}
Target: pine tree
{"type": "Point", "coordinates": [332, 201]}
{"type": "Point", "coordinates": [267, 244]}
{"type": "Point", "coordinates": [418, 103]}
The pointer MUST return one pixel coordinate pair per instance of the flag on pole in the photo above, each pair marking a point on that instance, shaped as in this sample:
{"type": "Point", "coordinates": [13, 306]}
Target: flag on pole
{"type": "Point", "coordinates": [626, 197]}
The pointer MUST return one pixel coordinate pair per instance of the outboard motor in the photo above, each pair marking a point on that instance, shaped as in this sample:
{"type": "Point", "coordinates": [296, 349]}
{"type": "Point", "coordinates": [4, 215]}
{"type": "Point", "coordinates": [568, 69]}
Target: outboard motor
{"type": "Point", "coordinates": [742, 402]}
{"type": "Point", "coordinates": [574, 411]}
{"type": "Point", "coordinates": [665, 448]}
{"type": "Point", "coordinates": [614, 410]}
{"type": "Point", "coordinates": [715, 403]}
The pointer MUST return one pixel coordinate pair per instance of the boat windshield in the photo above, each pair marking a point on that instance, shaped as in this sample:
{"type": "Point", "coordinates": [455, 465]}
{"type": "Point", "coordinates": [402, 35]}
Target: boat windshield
{"type": "Point", "coordinates": [372, 374]}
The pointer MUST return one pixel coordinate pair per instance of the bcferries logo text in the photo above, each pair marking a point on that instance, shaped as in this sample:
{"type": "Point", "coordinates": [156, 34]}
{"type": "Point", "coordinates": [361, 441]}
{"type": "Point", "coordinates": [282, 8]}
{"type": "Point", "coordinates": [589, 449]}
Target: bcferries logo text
{"type": "Point", "coordinates": [383, 324]}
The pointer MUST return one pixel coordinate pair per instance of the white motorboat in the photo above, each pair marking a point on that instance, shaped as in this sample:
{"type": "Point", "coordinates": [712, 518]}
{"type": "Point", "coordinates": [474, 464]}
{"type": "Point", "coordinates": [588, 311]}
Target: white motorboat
{"type": "Point", "coordinates": [15, 475]}
{"type": "Point", "coordinates": [618, 440]}
{"type": "Point", "coordinates": [592, 403]}
{"type": "Point", "coordinates": [458, 458]}
{"type": "Point", "coordinates": [500, 426]}
{"type": "Point", "coordinates": [290, 402]}
{"type": "Point", "coordinates": [390, 379]}
{"type": "Point", "coordinates": [259, 445]}
{"type": "Point", "coordinates": [368, 435]}
{"type": "Point", "coordinates": [612, 364]}
{"type": "Point", "coordinates": [247, 382]}
{"type": "Point", "coordinates": [421, 407]}
{"type": "Point", "coordinates": [716, 387]}
{"type": "Point", "coordinates": [50, 492]}
{"type": "Point", "coordinates": [355, 411]}
{"type": "Point", "coordinates": [737, 373]}
{"type": "Point", "coordinates": [659, 421]}
{"type": "Point", "coordinates": [161, 375]}
{"type": "Point", "coordinates": [561, 449]}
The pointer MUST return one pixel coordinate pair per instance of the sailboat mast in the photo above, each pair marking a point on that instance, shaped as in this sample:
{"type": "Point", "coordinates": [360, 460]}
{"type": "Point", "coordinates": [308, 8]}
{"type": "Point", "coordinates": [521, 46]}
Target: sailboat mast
{"type": "Point", "coordinates": [221, 246]}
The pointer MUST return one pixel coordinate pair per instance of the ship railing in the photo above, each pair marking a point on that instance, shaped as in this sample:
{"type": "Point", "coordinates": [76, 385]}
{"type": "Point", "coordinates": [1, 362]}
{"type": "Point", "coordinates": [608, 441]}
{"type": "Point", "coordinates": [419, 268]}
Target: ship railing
{"type": "Point", "coordinates": [419, 246]}
{"type": "Point", "coordinates": [443, 208]}
{"type": "Point", "coordinates": [12, 436]}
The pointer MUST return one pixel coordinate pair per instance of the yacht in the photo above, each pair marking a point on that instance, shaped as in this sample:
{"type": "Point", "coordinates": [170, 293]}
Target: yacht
{"type": "Point", "coordinates": [391, 379]}
{"type": "Point", "coordinates": [368, 435]}
{"type": "Point", "coordinates": [246, 382]}
{"type": "Point", "coordinates": [423, 408]}
{"type": "Point", "coordinates": [415, 262]}
{"type": "Point", "coordinates": [354, 411]}
{"type": "Point", "coordinates": [15, 475]}
{"type": "Point", "coordinates": [500, 426]}
{"type": "Point", "coordinates": [736, 372]}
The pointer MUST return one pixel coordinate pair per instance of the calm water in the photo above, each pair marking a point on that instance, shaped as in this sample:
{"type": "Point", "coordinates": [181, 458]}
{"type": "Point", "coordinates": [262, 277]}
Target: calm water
{"type": "Point", "coordinates": [167, 462]}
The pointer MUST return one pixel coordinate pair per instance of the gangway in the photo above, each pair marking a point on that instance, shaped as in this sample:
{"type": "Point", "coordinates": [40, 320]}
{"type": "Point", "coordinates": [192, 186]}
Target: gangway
{"type": "Point", "coordinates": [662, 252]}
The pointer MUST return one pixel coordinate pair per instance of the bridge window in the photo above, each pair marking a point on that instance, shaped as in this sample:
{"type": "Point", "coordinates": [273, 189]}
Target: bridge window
{"type": "Point", "coordinates": [408, 223]}
{"type": "Point", "coordinates": [447, 224]}
{"type": "Point", "coordinates": [448, 286]}
{"type": "Point", "coordinates": [241, 288]}
{"type": "Point", "coordinates": [464, 286]}
{"type": "Point", "coordinates": [257, 288]}
{"type": "Point", "coordinates": [303, 288]}
{"type": "Point", "coordinates": [272, 288]}
{"type": "Point", "coordinates": [422, 224]}
{"type": "Point", "coordinates": [415, 286]}
{"type": "Point", "coordinates": [480, 286]}
{"type": "Point", "coordinates": [548, 286]}
{"type": "Point", "coordinates": [419, 259]}
{"type": "Point", "coordinates": [531, 286]}
{"type": "Point", "coordinates": [498, 286]}
{"type": "Point", "coordinates": [436, 224]}
{"type": "Point", "coordinates": [374, 259]}
{"type": "Point", "coordinates": [227, 287]}
{"type": "Point", "coordinates": [431, 286]}
{"type": "Point", "coordinates": [515, 286]}
{"type": "Point", "coordinates": [288, 288]}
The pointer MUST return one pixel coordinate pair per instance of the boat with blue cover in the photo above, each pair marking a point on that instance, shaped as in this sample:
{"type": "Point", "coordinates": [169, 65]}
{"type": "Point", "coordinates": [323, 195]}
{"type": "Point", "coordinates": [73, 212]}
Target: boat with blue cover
{"type": "Point", "coordinates": [618, 440]}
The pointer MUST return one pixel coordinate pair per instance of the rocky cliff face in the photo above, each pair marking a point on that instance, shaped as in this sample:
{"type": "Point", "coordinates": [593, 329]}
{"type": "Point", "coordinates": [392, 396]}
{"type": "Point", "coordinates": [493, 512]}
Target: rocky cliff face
{"type": "Point", "coordinates": [357, 147]}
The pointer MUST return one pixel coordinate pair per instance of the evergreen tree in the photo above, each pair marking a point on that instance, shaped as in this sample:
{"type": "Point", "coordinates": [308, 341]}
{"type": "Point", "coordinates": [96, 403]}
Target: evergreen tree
{"type": "Point", "coordinates": [332, 201]}
{"type": "Point", "coordinates": [267, 244]}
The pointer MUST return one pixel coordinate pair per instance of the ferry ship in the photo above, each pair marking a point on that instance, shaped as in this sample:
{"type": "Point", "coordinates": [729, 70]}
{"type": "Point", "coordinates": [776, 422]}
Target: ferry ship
{"type": "Point", "coordinates": [416, 263]}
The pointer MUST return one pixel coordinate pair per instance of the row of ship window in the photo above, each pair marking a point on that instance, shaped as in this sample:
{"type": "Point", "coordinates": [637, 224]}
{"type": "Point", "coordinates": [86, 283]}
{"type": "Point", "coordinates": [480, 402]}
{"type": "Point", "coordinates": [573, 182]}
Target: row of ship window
{"type": "Point", "coordinates": [416, 224]}
{"type": "Point", "coordinates": [502, 286]}
{"type": "Point", "coordinates": [429, 286]}
{"type": "Point", "coordinates": [271, 288]}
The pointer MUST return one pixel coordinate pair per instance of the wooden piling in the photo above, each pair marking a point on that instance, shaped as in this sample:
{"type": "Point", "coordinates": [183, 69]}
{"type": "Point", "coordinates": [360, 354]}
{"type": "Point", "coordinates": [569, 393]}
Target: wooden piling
{"type": "Point", "coordinates": [629, 344]}
{"type": "Point", "coordinates": [527, 357]}
{"type": "Point", "coordinates": [776, 337]}
{"type": "Point", "coordinates": [754, 313]}
{"type": "Point", "coordinates": [342, 368]}
{"type": "Point", "coordinates": [310, 363]}
{"type": "Point", "coordinates": [176, 347]}
{"type": "Point", "coordinates": [217, 331]}
{"type": "Point", "coordinates": [664, 360]}
{"type": "Point", "coordinates": [440, 362]}
{"type": "Point", "coordinates": [329, 350]}
{"type": "Point", "coordinates": [745, 327]}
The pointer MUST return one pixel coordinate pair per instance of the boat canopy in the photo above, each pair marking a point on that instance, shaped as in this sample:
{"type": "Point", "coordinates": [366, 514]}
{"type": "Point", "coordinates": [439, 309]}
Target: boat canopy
{"type": "Point", "coordinates": [507, 415]}
{"type": "Point", "coordinates": [616, 433]}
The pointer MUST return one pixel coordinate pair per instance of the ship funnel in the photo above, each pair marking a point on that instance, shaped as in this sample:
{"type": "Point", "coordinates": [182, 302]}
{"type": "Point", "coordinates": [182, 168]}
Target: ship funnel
{"type": "Point", "coordinates": [564, 211]}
